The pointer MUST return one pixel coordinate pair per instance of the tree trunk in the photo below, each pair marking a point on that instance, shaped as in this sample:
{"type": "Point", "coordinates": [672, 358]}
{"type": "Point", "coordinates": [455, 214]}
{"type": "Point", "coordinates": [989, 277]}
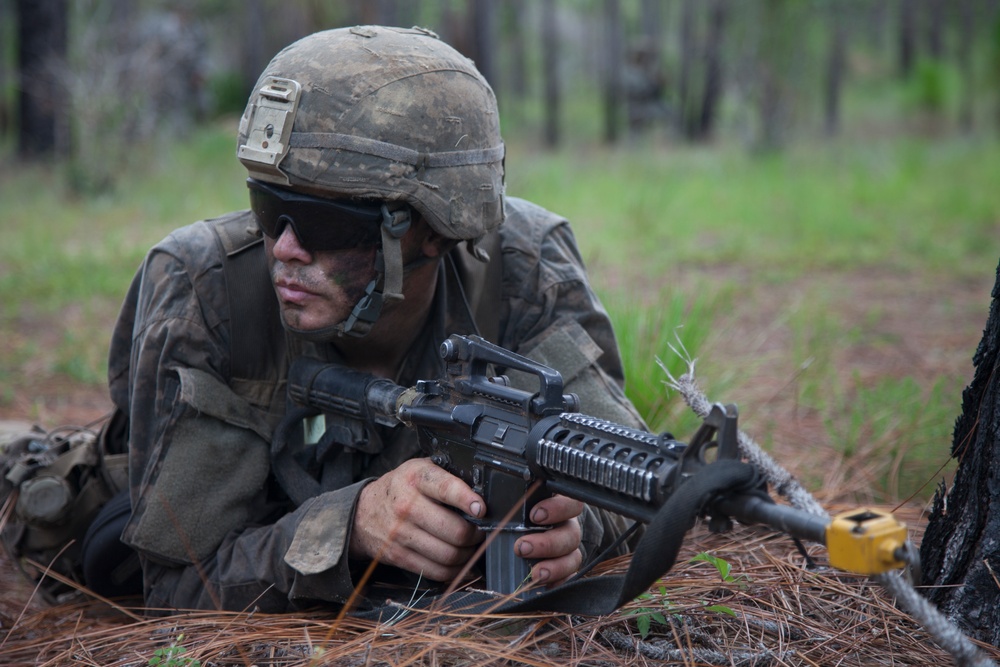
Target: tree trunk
{"type": "Point", "coordinates": [688, 57]}
{"type": "Point", "coordinates": [712, 89]}
{"type": "Point", "coordinates": [778, 49]}
{"type": "Point", "coordinates": [613, 73]}
{"type": "Point", "coordinates": [907, 37]}
{"type": "Point", "coordinates": [42, 38]}
{"type": "Point", "coordinates": [254, 55]}
{"type": "Point", "coordinates": [967, 26]}
{"type": "Point", "coordinates": [935, 18]}
{"type": "Point", "coordinates": [550, 72]}
{"type": "Point", "coordinates": [517, 77]}
{"type": "Point", "coordinates": [836, 68]}
{"type": "Point", "coordinates": [651, 12]}
{"type": "Point", "coordinates": [960, 551]}
{"type": "Point", "coordinates": [6, 77]}
{"type": "Point", "coordinates": [483, 16]}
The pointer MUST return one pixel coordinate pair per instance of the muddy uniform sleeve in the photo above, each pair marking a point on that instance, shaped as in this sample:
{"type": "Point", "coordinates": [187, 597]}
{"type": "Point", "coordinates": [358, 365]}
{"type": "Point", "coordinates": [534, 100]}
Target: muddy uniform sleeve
{"type": "Point", "coordinates": [204, 524]}
{"type": "Point", "coordinates": [556, 318]}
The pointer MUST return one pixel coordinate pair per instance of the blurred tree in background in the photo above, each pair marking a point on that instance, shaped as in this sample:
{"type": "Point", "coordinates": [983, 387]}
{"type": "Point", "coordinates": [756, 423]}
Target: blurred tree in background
{"type": "Point", "coordinates": [88, 78]}
{"type": "Point", "coordinates": [41, 48]}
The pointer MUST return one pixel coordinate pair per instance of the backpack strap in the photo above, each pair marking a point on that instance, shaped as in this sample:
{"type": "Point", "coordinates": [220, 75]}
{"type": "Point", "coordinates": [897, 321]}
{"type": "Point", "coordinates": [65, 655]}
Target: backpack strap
{"type": "Point", "coordinates": [482, 282]}
{"type": "Point", "coordinates": [255, 323]}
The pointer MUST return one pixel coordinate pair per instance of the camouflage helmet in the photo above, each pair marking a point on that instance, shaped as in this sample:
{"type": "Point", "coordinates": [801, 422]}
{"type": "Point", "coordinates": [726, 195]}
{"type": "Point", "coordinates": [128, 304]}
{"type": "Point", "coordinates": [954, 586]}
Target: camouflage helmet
{"type": "Point", "coordinates": [380, 113]}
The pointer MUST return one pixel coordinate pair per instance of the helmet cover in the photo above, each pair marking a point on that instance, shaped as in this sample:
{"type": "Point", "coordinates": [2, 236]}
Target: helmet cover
{"type": "Point", "coordinates": [380, 113]}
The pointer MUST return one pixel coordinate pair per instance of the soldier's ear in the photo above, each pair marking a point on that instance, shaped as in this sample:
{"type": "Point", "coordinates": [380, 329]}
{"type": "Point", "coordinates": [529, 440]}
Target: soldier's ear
{"type": "Point", "coordinates": [423, 242]}
{"type": "Point", "coordinates": [436, 245]}
{"type": "Point", "coordinates": [432, 244]}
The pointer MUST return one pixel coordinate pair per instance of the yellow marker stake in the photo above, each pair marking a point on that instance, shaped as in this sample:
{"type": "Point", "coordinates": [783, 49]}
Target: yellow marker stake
{"type": "Point", "coordinates": [865, 541]}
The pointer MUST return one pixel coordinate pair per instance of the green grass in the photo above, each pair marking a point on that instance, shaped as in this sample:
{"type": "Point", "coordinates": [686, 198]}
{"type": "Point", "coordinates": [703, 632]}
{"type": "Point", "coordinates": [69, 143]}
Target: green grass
{"type": "Point", "coordinates": [752, 227]}
{"type": "Point", "coordinates": [905, 204]}
{"type": "Point", "coordinates": [669, 327]}
{"type": "Point", "coordinates": [60, 249]}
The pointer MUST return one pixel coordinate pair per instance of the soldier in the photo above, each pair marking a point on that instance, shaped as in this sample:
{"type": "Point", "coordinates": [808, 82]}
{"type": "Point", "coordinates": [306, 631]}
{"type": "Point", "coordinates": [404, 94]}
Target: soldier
{"type": "Point", "coordinates": [378, 226]}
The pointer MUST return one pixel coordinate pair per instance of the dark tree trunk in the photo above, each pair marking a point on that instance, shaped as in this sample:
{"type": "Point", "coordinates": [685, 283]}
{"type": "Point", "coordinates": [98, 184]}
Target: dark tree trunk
{"type": "Point", "coordinates": [960, 551]}
{"type": "Point", "coordinates": [836, 68]}
{"type": "Point", "coordinates": [517, 79]}
{"type": "Point", "coordinates": [782, 29]}
{"type": "Point", "coordinates": [254, 53]}
{"type": "Point", "coordinates": [6, 77]}
{"type": "Point", "coordinates": [42, 37]}
{"type": "Point", "coordinates": [907, 37]}
{"type": "Point", "coordinates": [613, 73]}
{"type": "Point", "coordinates": [550, 72]}
{"type": "Point", "coordinates": [967, 25]}
{"type": "Point", "coordinates": [484, 40]}
{"type": "Point", "coordinates": [652, 23]}
{"type": "Point", "coordinates": [876, 24]}
{"type": "Point", "coordinates": [935, 24]}
{"type": "Point", "coordinates": [688, 57]}
{"type": "Point", "coordinates": [712, 90]}
{"type": "Point", "coordinates": [992, 20]}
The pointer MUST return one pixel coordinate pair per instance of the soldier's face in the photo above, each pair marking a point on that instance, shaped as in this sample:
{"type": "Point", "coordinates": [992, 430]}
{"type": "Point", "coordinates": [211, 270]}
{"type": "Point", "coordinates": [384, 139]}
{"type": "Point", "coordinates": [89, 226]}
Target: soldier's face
{"type": "Point", "coordinates": [317, 289]}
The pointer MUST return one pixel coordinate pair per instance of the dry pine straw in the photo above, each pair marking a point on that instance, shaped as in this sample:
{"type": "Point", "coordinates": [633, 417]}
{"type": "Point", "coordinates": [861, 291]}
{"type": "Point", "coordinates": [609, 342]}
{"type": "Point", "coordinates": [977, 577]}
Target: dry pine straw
{"type": "Point", "coordinates": [782, 613]}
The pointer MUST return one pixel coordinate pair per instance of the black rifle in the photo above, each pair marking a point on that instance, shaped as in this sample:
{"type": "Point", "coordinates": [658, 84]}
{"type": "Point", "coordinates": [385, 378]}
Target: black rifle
{"type": "Point", "coordinates": [514, 448]}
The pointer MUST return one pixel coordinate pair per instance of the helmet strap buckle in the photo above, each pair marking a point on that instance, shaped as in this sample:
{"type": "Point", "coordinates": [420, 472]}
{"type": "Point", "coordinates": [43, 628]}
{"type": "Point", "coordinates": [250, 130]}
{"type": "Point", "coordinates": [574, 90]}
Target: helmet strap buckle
{"type": "Point", "coordinates": [388, 284]}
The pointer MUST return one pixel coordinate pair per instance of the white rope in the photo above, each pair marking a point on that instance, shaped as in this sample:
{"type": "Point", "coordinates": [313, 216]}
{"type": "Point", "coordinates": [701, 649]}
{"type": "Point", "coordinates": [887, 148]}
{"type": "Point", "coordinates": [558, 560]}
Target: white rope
{"type": "Point", "coordinates": [780, 479]}
{"type": "Point", "coordinates": [948, 637]}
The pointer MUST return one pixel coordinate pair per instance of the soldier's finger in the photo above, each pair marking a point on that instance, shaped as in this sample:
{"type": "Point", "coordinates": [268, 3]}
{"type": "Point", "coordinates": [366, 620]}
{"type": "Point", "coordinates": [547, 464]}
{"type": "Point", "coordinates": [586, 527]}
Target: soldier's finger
{"type": "Point", "coordinates": [555, 510]}
{"type": "Point", "coordinates": [440, 485]}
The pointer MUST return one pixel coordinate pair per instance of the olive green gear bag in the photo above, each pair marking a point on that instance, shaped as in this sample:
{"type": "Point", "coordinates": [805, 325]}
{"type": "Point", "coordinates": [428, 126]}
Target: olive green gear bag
{"type": "Point", "coordinates": [53, 487]}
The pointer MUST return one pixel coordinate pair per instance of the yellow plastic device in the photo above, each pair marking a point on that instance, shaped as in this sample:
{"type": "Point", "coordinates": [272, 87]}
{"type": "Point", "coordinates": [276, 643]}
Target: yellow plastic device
{"type": "Point", "coordinates": [865, 541]}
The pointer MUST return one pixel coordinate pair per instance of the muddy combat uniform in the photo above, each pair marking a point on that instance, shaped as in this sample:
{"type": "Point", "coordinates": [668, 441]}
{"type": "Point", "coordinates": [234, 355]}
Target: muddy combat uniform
{"type": "Point", "coordinates": [213, 526]}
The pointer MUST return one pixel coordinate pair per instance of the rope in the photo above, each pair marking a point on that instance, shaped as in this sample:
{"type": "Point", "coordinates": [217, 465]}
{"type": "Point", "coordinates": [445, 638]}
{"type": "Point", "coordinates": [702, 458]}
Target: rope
{"type": "Point", "coordinates": [780, 479]}
{"type": "Point", "coordinates": [944, 632]}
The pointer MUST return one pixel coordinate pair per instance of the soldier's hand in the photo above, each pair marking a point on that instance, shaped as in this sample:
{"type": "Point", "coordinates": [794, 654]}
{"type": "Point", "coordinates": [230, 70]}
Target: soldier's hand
{"type": "Point", "coordinates": [404, 519]}
{"type": "Point", "coordinates": [557, 550]}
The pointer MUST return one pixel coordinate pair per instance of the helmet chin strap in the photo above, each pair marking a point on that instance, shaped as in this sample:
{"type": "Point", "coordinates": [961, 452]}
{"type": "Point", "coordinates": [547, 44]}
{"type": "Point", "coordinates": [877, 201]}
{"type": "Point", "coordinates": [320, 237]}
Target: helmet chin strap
{"type": "Point", "coordinates": [387, 285]}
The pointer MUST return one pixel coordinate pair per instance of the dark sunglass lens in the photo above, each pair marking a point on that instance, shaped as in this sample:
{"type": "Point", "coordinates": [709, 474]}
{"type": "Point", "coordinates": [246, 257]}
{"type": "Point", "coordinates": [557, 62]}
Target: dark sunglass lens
{"type": "Point", "coordinates": [333, 234]}
{"type": "Point", "coordinates": [266, 210]}
{"type": "Point", "coordinates": [318, 224]}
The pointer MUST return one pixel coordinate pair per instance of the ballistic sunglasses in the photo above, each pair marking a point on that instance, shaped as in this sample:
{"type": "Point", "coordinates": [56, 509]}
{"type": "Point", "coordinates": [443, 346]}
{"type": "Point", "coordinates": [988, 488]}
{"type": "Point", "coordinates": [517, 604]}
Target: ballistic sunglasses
{"type": "Point", "coordinates": [319, 224]}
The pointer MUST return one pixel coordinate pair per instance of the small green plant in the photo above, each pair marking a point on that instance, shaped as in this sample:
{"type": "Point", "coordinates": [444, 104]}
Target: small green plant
{"type": "Point", "coordinates": [724, 569]}
{"type": "Point", "coordinates": [645, 616]}
{"type": "Point", "coordinates": [173, 656]}
{"type": "Point", "coordinates": [654, 606]}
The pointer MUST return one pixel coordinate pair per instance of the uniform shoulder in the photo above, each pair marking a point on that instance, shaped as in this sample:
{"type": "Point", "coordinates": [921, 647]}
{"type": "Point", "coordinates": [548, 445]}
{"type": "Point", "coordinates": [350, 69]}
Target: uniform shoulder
{"type": "Point", "coordinates": [198, 243]}
{"type": "Point", "coordinates": [527, 224]}
{"type": "Point", "coordinates": [520, 211]}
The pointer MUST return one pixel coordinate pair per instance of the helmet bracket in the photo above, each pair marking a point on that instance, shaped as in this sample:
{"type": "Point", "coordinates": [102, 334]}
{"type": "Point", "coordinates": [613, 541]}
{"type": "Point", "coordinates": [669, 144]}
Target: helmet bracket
{"type": "Point", "coordinates": [268, 126]}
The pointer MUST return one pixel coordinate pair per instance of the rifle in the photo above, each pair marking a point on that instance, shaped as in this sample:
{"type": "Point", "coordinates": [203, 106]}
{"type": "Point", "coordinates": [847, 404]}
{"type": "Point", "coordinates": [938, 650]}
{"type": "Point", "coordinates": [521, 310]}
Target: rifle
{"type": "Point", "coordinates": [514, 448]}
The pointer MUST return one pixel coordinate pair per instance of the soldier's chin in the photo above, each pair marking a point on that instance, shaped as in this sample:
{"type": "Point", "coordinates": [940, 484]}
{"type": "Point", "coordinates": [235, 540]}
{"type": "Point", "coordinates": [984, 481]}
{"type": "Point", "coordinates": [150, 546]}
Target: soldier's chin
{"type": "Point", "coordinates": [318, 335]}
